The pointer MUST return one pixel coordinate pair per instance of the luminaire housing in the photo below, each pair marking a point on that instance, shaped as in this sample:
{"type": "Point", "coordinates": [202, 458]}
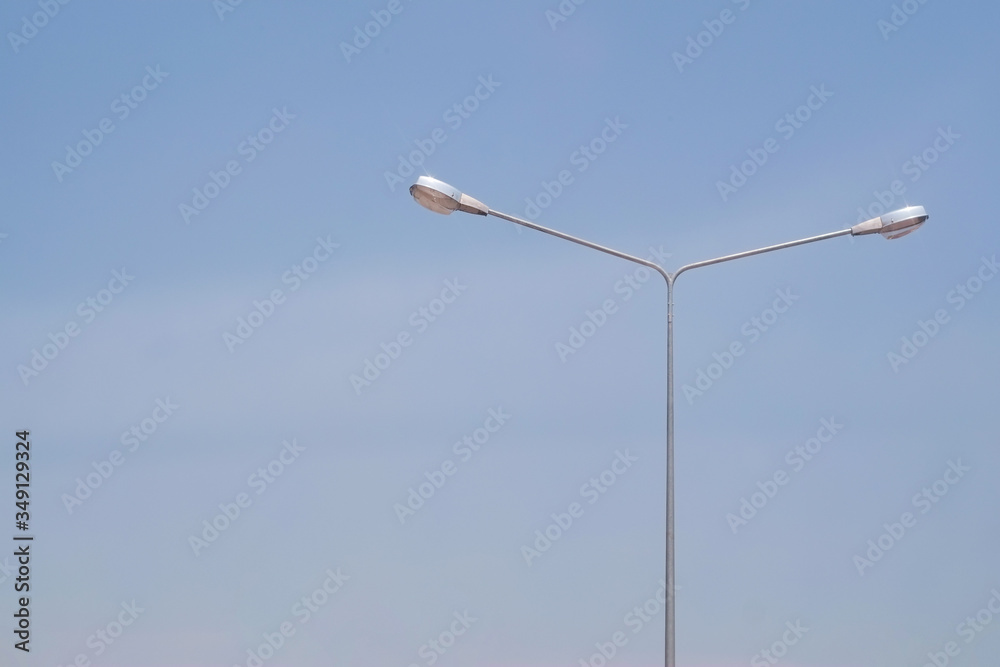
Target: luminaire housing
{"type": "Point", "coordinates": [442, 198]}
{"type": "Point", "coordinates": [893, 225]}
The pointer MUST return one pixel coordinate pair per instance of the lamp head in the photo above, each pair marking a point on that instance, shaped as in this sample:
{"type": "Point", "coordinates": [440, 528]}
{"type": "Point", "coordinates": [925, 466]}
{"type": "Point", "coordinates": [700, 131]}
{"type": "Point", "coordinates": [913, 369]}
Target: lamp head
{"type": "Point", "coordinates": [442, 198]}
{"type": "Point", "coordinates": [893, 225]}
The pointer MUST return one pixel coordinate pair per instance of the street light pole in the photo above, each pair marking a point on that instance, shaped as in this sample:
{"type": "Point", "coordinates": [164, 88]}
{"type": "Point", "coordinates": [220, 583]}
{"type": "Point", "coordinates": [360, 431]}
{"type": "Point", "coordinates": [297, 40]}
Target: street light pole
{"type": "Point", "coordinates": [443, 198]}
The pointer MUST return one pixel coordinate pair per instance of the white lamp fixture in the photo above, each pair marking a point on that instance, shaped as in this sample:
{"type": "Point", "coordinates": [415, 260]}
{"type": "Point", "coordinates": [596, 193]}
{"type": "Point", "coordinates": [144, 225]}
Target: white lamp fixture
{"type": "Point", "coordinates": [442, 198]}
{"type": "Point", "coordinates": [893, 225]}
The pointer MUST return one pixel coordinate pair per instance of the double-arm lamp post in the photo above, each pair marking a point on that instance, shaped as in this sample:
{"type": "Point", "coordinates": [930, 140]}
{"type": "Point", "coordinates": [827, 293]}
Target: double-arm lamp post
{"type": "Point", "coordinates": [443, 198]}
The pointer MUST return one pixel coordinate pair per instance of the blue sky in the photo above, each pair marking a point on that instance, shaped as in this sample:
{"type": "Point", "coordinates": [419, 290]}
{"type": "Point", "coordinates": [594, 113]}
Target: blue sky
{"type": "Point", "coordinates": [227, 186]}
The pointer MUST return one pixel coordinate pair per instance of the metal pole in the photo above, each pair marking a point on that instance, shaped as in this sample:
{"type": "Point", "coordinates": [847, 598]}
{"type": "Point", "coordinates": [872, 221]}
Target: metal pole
{"type": "Point", "coordinates": [669, 631]}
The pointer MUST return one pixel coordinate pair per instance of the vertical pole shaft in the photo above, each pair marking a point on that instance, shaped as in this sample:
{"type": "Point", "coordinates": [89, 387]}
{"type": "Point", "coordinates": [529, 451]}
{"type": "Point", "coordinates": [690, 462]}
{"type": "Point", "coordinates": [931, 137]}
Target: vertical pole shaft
{"type": "Point", "coordinates": [670, 637]}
